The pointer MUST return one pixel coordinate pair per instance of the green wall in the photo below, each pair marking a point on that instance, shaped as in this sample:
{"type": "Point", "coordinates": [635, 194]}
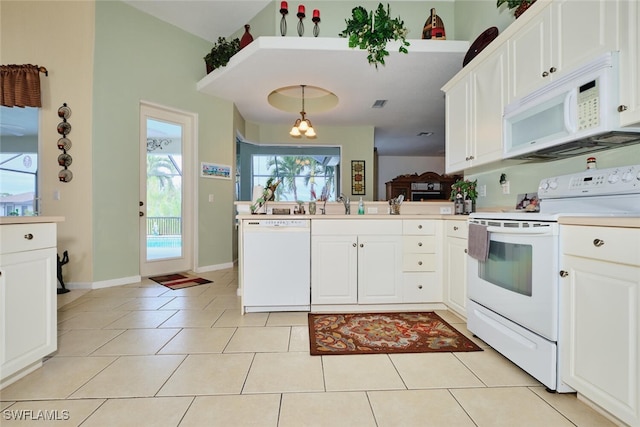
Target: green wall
{"type": "Point", "coordinates": [524, 178]}
{"type": "Point", "coordinates": [333, 15]}
{"type": "Point", "coordinates": [138, 57]}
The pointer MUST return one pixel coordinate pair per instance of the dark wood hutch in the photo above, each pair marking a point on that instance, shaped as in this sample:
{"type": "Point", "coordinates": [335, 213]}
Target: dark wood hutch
{"type": "Point", "coordinates": [423, 187]}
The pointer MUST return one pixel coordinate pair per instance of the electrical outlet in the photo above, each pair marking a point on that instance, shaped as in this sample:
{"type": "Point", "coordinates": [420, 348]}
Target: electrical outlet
{"type": "Point", "coordinates": [505, 188]}
{"type": "Point", "coordinates": [373, 210]}
{"type": "Point", "coordinates": [482, 190]}
{"type": "Point", "coordinates": [445, 210]}
{"type": "Point", "coordinates": [210, 198]}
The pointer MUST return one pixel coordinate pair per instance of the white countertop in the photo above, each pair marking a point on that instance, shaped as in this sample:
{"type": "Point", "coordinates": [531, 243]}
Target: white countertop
{"type": "Point", "coordinates": [29, 219]}
{"type": "Point", "coordinates": [355, 216]}
{"type": "Point", "coordinates": [599, 221]}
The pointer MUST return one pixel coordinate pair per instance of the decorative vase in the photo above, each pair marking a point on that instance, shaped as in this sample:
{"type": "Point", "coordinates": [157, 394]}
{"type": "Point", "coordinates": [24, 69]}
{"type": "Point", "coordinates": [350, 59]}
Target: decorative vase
{"type": "Point", "coordinates": [246, 37]}
{"type": "Point", "coordinates": [434, 27]}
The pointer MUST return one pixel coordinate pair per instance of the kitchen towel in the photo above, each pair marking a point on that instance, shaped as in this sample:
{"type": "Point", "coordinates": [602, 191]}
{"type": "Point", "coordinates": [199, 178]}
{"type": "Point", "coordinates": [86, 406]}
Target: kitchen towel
{"type": "Point", "coordinates": [478, 242]}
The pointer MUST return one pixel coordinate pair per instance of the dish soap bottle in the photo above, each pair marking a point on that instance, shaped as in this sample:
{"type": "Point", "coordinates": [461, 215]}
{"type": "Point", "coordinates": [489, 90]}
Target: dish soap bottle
{"type": "Point", "coordinates": [360, 207]}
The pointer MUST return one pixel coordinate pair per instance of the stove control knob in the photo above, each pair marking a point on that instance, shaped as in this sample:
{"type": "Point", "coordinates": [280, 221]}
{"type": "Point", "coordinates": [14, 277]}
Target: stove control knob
{"type": "Point", "coordinates": [544, 185]}
{"type": "Point", "coordinates": [553, 185]}
{"type": "Point", "coordinates": [627, 176]}
{"type": "Point", "coordinates": [613, 178]}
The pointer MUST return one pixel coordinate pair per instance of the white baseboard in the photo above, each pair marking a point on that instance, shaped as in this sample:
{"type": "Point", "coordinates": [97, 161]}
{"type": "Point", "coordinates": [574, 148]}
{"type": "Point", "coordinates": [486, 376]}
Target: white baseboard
{"type": "Point", "coordinates": [215, 267]}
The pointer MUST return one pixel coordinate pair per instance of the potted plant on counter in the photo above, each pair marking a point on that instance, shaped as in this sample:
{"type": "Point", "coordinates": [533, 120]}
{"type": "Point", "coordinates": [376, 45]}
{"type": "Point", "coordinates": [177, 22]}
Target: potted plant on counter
{"type": "Point", "coordinates": [372, 31]}
{"type": "Point", "coordinates": [221, 52]}
{"type": "Point", "coordinates": [469, 192]}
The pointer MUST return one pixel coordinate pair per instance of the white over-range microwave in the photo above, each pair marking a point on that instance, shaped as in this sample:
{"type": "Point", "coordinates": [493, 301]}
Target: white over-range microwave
{"type": "Point", "coordinates": [575, 114]}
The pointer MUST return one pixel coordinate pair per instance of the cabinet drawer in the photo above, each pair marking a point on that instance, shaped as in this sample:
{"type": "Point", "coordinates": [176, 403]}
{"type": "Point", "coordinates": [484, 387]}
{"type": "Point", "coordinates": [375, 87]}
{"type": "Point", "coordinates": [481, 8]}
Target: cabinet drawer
{"type": "Point", "coordinates": [418, 226]}
{"type": "Point", "coordinates": [618, 245]}
{"type": "Point", "coordinates": [421, 287]}
{"type": "Point", "coordinates": [419, 262]}
{"type": "Point", "coordinates": [27, 237]}
{"type": "Point", "coordinates": [374, 227]}
{"type": "Point", "coordinates": [419, 244]}
{"type": "Point", "coordinates": [457, 229]}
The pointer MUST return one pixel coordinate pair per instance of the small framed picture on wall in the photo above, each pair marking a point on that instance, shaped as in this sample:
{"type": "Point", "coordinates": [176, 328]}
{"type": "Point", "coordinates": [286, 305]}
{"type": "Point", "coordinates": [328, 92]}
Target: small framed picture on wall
{"type": "Point", "coordinates": [358, 187]}
{"type": "Point", "coordinates": [214, 170]}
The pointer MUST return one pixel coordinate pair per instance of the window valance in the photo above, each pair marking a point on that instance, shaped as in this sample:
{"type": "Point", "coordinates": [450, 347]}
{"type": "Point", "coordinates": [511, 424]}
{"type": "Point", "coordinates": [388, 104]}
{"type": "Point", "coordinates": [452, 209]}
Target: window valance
{"type": "Point", "coordinates": [20, 85]}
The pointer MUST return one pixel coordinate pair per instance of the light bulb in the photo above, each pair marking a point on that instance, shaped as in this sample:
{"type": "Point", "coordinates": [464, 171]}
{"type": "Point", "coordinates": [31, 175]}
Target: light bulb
{"type": "Point", "coordinates": [294, 131]}
{"type": "Point", "coordinates": [311, 133]}
{"type": "Point", "coordinates": [303, 126]}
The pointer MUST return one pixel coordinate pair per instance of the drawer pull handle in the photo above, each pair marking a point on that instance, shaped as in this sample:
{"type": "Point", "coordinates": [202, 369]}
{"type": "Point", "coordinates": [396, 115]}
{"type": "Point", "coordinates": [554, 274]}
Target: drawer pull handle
{"type": "Point", "coordinates": [597, 243]}
{"type": "Point", "coordinates": [455, 228]}
{"type": "Point", "coordinates": [355, 245]}
{"type": "Point", "coordinates": [419, 286]}
{"type": "Point", "coordinates": [28, 236]}
{"type": "Point", "coordinates": [545, 74]}
{"type": "Point", "coordinates": [465, 250]}
{"type": "Point", "coordinates": [564, 273]}
{"type": "Point", "coordinates": [362, 245]}
{"type": "Point", "coordinates": [419, 262]}
{"type": "Point", "coordinates": [420, 227]}
{"type": "Point", "coordinates": [419, 243]}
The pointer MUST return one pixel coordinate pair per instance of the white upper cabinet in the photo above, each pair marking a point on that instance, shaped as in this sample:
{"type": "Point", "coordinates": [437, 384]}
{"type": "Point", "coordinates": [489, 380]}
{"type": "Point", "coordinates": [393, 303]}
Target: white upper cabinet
{"type": "Point", "coordinates": [630, 64]}
{"type": "Point", "coordinates": [561, 37]}
{"type": "Point", "coordinates": [474, 109]}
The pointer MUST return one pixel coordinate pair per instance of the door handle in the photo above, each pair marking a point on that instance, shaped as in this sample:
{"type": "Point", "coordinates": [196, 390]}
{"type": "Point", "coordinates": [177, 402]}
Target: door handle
{"type": "Point", "coordinates": [141, 203]}
{"type": "Point", "coordinates": [140, 213]}
{"type": "Point", "coordinates": [598, 242]}
{"type": "Point", "coordinates": [564, 273]}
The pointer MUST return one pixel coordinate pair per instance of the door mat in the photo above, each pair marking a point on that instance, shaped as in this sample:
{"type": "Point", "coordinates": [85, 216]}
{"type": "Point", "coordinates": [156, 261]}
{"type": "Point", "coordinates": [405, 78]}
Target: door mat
{"type": "Point", "coordinates": [378, 333]}
{"type": "Point", "coordinates": [180, 280]}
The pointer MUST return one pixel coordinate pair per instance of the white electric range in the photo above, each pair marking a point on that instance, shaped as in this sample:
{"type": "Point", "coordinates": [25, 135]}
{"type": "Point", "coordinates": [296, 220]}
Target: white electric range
{"type": "Point", "coordinates": [513, 295]}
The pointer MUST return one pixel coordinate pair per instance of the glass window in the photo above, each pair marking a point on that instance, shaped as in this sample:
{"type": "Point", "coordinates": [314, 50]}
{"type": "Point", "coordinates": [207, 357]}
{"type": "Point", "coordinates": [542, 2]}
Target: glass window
{"type": "Point", "coordinates": [305, 173]}
{"type": "Point", "coordinates": [509, 266]}
{"type": "Point", "coordinates": [302, 178]}
{"type": "Point", "coordinates": [18, 161]}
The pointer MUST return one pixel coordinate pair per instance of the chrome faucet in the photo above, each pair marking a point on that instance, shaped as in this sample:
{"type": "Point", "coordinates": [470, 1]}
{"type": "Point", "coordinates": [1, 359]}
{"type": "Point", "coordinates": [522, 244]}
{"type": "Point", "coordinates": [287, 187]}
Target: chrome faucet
{"type": "Point", "coordinates": [346, 202]}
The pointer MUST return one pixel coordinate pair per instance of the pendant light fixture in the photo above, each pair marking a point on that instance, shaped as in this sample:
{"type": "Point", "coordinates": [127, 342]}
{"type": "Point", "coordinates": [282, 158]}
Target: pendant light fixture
{"type": "Point", "coordinates": [302, 126]}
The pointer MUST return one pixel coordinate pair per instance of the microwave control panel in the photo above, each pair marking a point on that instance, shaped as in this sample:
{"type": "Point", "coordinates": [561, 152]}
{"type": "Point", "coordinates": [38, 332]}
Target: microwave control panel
{"type": "Point", "coordinates": [589, 105]}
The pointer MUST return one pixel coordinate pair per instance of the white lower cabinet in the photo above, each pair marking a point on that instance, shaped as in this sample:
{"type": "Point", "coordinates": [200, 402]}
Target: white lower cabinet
{"type": "Point", "coordinates": [600, 319]}
{"type": "Point", "coordinates": [356, 262]}
{"type": "Point", "coordinates": [28, 302]}
{"type": "Point", "coordinates": [455, 276]}
{"type": "Point", "coordinates": [421, 261]}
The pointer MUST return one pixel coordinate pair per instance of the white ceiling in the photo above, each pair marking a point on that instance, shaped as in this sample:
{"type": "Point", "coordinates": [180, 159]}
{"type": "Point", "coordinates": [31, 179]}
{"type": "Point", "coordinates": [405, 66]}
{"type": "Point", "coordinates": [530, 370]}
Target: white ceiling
{"type": "Point", "coordinates": [410, 83]}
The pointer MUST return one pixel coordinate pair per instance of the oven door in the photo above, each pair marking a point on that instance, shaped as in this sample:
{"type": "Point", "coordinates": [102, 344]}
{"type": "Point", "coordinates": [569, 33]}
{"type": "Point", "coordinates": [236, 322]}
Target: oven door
{"type": "Point", "coordinates": [519, 279]}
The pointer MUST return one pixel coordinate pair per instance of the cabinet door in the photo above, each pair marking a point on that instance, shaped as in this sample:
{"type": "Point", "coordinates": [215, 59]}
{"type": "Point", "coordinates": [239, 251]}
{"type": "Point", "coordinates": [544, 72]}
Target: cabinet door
{"type": "Point", "coordinates": [630, 63]}
{"type": "Point", "coordinates": [530, 56]}
{"type": "Point", "coordinates": [334, 274]}
{"type": "Point", "coordinates": [457, 137]}
{"type": "Point", "coordinates": [379, 269]}
{"type": "Point", "coordinates": [583, 30]}
{"type": "Point", "coordinates": [27, 308]}
{"type": "Point", "coordinates": [489, 97]}
{"type": "Point", "coordinates": [600, 327]}
{"type": "Point", "coordinates": [456, 275]}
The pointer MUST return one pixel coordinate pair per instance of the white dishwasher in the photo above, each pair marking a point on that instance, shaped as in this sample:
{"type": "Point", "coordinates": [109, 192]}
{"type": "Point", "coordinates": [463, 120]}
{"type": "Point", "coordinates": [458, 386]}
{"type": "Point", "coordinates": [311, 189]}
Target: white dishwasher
{"type": "Point", "coordinates": [276, 265]}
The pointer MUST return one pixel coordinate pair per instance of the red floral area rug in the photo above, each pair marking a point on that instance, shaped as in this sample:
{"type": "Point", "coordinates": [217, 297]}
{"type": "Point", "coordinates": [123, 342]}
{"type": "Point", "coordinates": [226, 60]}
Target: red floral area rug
{"type": "Point", "coordinates": [179, 280]}
{"type": "Point", "coordinates": [375, 333]}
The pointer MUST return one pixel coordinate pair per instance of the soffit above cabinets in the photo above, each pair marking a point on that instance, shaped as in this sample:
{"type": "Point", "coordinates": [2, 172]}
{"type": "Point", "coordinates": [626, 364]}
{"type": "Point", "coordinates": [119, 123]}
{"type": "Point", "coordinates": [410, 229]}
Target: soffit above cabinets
{"type": "Point", "coordinates": [409, 82]}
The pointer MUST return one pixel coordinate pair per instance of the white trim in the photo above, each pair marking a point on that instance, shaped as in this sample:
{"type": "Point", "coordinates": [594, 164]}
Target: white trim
{"type": "Point", "coordinates": [214, 267]}
{"type": "Point", "coordinates": [104, 283]}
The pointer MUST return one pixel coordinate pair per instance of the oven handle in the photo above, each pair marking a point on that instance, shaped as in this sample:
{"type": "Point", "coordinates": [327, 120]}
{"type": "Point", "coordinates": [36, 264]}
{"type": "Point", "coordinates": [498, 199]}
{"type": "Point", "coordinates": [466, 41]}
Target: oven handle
{"type": "Point", "coordinates": [527, 231]}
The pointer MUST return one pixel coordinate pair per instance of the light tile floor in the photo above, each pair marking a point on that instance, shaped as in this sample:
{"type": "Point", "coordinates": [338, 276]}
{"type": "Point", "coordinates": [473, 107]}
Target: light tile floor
{"type": "Point", "coordinates": [144, 355]}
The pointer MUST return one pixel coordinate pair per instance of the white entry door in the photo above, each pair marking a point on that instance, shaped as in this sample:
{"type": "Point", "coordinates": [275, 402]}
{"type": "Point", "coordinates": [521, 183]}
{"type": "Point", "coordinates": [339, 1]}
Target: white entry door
{"type": "Point", "coordinates": [166, 190]}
